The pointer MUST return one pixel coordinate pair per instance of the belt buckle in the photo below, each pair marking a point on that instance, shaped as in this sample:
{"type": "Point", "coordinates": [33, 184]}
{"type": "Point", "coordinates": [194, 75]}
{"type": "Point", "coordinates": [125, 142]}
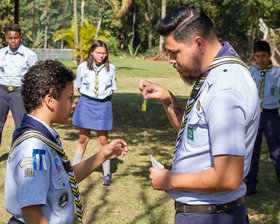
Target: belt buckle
{"type": "Point", "coordinates": [10, 88]}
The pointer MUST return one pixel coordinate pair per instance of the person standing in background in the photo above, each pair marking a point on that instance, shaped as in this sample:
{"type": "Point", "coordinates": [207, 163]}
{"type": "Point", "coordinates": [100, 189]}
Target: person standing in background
{"type": "Point", "coordinates": [96, 81]}
{"type": "Point", "coordinates": [267, 78]}
{"type": "Point", "coordinates": [15, 60]}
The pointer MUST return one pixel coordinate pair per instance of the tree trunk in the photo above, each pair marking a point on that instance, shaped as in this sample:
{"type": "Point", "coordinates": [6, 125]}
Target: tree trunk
{"type": "Point", "coordinates": [98, 25]}
{"type": "Point", "coordinates": [133, 28]}
{"type": "Point", "coordinates": [63, 17]}
{"type": "Point", "coordinates": [33, 25]}
{"type": "Point", "coordinates": [76, 24]}
{"type": "Point", "coordinates": [46, 12]}
{"type": "Point", "coordinates": [163, 12]}
{"type": "Point", "coordinates": [82, 12]}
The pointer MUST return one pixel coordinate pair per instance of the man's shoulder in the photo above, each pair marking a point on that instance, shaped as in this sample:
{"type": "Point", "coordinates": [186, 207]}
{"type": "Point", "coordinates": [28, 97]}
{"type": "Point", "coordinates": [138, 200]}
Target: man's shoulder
{"type": "Point", "coordinates": [3, 50]}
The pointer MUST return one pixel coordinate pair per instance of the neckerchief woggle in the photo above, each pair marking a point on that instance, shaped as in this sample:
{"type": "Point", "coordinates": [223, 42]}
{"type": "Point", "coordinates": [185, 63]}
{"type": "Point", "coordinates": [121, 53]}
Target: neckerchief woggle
{"type": "Point", "coordinates": [227, 55]}
{"type": "Point", "coordinates": [261, 85]}
{"type": "Point", "coordinates": [31, 128]}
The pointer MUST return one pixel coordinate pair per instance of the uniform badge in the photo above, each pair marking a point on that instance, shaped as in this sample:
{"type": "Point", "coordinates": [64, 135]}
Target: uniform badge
{"type": "Point", "coordinates": [63, 200]}
{"type": "Point", "coordinates": [26, 161]}
{"type": "Point", "coordinates": [29, 172]}
{"type": "Point", "coordinates": [272, 91]}
{"type": "Point", "coordinates": [190, 134]}
{"type": "Point", "coordinates": [39, 159]}
{"type": "Point", "coordinates": [53, 152]}
{"type": "Point", "coordinates": [58, 167]}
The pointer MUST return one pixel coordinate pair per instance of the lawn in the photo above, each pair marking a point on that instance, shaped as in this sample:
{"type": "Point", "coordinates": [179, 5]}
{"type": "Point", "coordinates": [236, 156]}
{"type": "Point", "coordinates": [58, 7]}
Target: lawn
{"type": "Point", "coordinates": [131, 199]}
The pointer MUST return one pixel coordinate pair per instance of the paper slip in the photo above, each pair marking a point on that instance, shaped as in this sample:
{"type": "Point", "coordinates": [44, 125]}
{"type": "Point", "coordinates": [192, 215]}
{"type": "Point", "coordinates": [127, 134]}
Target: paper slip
{"type": "Point", "coordinates": [155, 163]}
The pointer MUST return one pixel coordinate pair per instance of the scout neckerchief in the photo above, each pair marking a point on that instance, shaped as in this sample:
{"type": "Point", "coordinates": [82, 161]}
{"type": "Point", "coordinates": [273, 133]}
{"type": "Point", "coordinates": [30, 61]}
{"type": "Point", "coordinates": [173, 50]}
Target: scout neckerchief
{"type": "Point", "coordinates": [97, 70]}
{"type": "Point", "coordinates": [261, 86]}
{"type": "Point", "coordinates": [31, 128]}
{"type": "Point", "coordinates": [226, 55]}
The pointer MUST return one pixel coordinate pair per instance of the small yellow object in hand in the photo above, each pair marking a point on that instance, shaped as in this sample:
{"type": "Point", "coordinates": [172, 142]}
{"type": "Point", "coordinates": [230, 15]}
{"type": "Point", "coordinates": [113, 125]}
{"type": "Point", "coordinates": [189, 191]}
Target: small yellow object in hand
{"type": "Point", "coordinates": [144, 104]}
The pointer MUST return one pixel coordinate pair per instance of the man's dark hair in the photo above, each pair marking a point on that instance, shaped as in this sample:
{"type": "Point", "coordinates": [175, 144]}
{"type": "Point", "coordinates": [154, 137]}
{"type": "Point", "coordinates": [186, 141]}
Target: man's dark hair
{"type": "Point", "coordinates": [90, 60]}
{"type": "Point", "coordinates": [41, 79]}
{"type": "Point", "coordinates": [13, 27]}
{"type": "Point", "coordinates": [262, 45]}
{"type": "Point", "coordinates": [185, 22]}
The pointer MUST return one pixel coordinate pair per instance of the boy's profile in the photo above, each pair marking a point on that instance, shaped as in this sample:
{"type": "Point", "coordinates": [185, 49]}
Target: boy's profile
{"type": "Point", "coordinates": [41, 185]}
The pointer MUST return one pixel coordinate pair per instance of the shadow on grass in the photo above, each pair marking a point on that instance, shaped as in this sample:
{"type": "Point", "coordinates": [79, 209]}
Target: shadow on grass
{"type": "Point", "coordinates": [4, 157]}
{"type": "Point", "coordinates": [266, 201]}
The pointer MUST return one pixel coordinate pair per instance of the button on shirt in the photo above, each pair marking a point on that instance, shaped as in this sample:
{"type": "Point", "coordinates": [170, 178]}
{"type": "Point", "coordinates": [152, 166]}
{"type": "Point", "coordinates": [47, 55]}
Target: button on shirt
{"type": "Point", "coordinates": [85, 81]}
{"type": "Point", "coordinates": [223, 121]}
{"type": "Point", "coordinates": [13, 65]}
{"type": "Point", "coordinates": [48, 187]}
{"type": "Point", "coordinates": [271, 86]}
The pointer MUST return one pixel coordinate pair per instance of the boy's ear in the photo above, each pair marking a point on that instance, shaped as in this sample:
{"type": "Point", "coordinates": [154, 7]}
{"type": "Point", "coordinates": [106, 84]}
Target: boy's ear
{"type": "Point", "coordinates": [49, 101]}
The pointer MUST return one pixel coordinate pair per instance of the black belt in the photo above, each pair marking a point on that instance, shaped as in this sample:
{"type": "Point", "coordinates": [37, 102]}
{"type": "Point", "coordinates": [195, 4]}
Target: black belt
{"type": "Point", "coordinates": [10, 88]}
{"type": "Point", "coordinates": [210, 208]}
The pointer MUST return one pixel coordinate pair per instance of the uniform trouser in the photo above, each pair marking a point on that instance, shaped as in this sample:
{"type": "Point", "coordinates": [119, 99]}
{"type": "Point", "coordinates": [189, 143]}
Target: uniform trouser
{"type": "Point", "coordinates": [270, 126]}
{"type": "Point", "coordinates": [10, 101]}
{"type": "Point", "coordinates": [237, 215]}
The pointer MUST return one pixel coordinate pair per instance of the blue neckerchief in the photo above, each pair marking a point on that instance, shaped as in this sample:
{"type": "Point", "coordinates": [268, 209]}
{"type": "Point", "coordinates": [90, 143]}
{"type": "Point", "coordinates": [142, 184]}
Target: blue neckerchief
{"type": "Point", "coordinates": [28, 124]}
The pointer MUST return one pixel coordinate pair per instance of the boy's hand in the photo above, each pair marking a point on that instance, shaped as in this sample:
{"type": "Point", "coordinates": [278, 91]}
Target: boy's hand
{"type": "Point", "coordinates": [115, 148]}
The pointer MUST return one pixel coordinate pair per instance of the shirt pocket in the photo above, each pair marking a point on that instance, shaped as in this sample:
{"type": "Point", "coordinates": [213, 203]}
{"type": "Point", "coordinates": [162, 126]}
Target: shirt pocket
{"type": "Point", "coordinates": [196, 133]}
{"type": "Point", "coordinates": [60, 181]}
{"type": "Point", "coordinates": [22, 66]}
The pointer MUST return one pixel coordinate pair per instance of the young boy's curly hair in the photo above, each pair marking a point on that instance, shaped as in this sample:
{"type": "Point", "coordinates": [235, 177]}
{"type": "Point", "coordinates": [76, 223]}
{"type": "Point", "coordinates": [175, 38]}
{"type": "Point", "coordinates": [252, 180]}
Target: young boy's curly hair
{"type": "Point", "coordinates": [45, 77]}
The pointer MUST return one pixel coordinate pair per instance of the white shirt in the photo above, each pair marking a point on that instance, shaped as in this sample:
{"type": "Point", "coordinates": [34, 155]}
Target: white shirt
{"type": "Point", "coordinates": [13, 65]}
{"type": "Point", "coordinates": [86, 81]}
{"type": "Point", "coordinates": [223, 121]}
{"type": "Point", "coordinates": [48, 187]}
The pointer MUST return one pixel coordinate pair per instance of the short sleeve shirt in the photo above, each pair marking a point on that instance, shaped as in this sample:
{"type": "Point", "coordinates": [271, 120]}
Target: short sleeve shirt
{"type": "Point", "coordinates": [271, 86]}
{"type": "Point", "coordinates": [87, 81]}
{"type": "Point", "coordinates": [26, 185]}
{"type": "Point", "coordinates": [223, 121]}
{"type": "Point", "coordinates": [13, 65]}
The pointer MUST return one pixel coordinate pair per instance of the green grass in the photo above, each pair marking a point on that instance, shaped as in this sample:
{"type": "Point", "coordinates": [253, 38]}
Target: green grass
{"type": "Point", "coordinates": [131, 199]}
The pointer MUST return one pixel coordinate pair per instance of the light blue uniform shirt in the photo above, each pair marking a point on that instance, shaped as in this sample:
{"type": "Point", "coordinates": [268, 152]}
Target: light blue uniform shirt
{"type": "Point", "coordinates": [271, 95]}
{"type": "Point", "coordinates": [13, 65]}
{"type": "Point", "coordinates": [223, 121]}
{"type": "Point", "coordinates": [85, 81]}
{"type": "Point", "coordinates": [48, 187]}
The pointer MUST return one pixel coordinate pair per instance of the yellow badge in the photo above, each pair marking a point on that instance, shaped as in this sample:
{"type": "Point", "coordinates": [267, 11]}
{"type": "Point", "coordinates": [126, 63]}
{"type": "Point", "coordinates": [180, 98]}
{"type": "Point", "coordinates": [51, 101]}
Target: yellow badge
{"type": "Point", "coordinates": [198, 105]}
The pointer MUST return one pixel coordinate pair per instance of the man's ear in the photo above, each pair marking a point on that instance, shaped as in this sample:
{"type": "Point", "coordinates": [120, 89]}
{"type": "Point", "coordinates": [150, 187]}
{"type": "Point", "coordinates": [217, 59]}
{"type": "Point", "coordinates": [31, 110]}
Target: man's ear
{"type": "Point", "coordinates": [49, 101]}
{"type": "Point", "coordinates": [199, 43]}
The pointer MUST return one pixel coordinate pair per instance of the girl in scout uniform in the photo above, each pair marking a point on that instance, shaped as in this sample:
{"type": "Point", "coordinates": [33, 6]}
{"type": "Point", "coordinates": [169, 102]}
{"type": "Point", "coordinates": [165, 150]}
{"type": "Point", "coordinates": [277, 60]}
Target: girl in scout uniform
{"type": "Point", "coordinates": [96, 81]}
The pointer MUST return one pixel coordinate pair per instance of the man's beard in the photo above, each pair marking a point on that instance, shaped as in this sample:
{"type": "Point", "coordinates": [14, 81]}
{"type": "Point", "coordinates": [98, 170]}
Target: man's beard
{"type": "Point", "coordinates": [190, 75]}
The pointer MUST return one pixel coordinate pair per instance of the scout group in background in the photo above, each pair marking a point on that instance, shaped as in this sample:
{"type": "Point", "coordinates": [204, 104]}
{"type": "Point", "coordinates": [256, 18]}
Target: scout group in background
{"type": "Point", "coordinates": [96, 81]}
{"type": "Point", "coordinates": [267, 78]}
{"type": "Point", "coordinates": [15, 60]}
{"type": "Point", "coordinates": [218, 128]}
{"type": "Point", "coordinates": [40, 184]}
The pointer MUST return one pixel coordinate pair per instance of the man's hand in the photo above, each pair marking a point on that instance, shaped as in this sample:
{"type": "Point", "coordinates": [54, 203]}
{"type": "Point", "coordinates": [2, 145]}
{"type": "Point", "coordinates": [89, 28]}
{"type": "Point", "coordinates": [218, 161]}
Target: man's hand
{"type": "Point", "coordinates": [115, 148]}
{"type": "Point", "coordinates": [153, 91]}
{"type": "Point", "coordinates": [160, 178]}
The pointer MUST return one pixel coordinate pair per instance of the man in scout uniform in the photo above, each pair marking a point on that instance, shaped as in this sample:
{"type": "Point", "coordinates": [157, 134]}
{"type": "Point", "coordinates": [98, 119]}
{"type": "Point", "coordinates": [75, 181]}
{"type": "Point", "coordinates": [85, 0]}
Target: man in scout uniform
{"type": "Point", "coordinates": [41, 185]}
{"type": "Point", "coordinates": [15, 60]}
{"type": "Point", "coordinates": [267, 78]}
{"type": "Point", "coordinates": [216, 130]}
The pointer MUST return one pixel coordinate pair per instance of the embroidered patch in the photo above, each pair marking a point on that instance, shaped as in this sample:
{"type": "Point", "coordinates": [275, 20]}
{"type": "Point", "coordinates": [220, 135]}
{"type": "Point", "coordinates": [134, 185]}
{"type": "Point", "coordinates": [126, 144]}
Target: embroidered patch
{"type": "Point", "coordinates": [29, 172]}
{"type": "Point", "coordinates": [58, 167]}
{"type": "Point", "coordinates": [190, 134]}
{"type": "Point", "coordinates": [53, 152]}
{"type": "Point", "coordinates": [63, 200]}
{"type": "Point", "coordinates": [198, 105]}
{"type": "Point", "coordinates": [39, 160]}
{"type": "Point", "coordinates": [25, 161]}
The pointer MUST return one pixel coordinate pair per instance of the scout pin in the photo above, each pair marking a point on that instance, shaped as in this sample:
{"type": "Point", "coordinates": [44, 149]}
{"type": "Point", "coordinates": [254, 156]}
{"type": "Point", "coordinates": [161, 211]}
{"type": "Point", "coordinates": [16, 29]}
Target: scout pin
{"type": "Point", "coordinates": [144, 104]}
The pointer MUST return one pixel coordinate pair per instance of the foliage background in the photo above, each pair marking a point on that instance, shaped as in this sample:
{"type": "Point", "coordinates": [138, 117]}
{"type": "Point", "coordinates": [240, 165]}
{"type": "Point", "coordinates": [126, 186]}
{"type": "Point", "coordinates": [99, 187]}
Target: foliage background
{"type": "Point", "coordinates": [235, 21]}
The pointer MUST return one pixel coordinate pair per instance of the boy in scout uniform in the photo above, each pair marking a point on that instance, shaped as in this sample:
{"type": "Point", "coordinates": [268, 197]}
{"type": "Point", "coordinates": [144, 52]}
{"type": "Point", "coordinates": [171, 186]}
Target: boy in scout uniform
{"type": "Point", "coordinates": [41, 185]}
{"type": "Point", "coordinates": [267, 78]}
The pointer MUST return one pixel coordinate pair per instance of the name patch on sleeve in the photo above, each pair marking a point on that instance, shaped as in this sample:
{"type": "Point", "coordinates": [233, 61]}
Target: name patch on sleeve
{"type": "Point", "coordinates": [39, 159]}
